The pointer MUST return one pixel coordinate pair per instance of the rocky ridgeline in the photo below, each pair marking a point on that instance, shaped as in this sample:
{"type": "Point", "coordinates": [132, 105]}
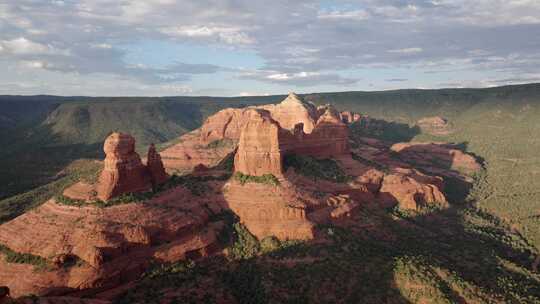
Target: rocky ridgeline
{"type": "Point", "coordinates": [92, 250]}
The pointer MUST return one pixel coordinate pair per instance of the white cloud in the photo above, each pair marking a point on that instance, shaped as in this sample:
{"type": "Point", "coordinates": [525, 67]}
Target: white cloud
{"type": "Point", "coordinates": [245, 94]}
{"type": "Point", "coordinates": [101, 45]}
{"type": "Point", "coordinates": [285, 76]}
{"type": "Point", "coordinates": [292, 41]}
{"type": "Point", "coordinates": [229, 35]}
{"type": "Point", "coordinates": [23, 46]}
{"type": "Point", "coordinates": [340, 15]}
{"type": "Point", "coordinates": [413, 50]}
{"type": "Point", "coordinates": [34, 64]}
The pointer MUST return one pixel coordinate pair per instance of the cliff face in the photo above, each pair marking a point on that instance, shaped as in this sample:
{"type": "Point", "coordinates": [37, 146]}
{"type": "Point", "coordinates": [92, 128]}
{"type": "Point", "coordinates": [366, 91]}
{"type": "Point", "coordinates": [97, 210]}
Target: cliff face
{"type": "Point", "coordinates": [259, 146]}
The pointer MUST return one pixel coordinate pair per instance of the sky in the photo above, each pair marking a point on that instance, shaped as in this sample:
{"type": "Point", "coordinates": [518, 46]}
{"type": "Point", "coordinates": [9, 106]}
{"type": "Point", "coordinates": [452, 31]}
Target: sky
{"type": "Point", "coordinates": [251, 47]}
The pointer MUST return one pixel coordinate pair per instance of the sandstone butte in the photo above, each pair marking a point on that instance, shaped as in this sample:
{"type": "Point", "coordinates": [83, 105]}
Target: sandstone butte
{"type": "Point", "coordinates": [99, 251]}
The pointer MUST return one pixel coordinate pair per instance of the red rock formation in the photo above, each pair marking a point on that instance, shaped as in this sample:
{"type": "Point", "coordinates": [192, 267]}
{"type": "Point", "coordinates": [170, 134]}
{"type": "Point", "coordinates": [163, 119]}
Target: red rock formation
{"type": "Point", "coordinates": [259, 147]}
{"type": "Point", "coordinates": [269, 213]}
{"type": "Point", "coordinates": [329, 138]}
{"type": "Point", "coordinates": [226, 123]}
{"type": "Point", "coordinates": [189, 153]}
{"type": "Point", "coordinates": [155, 166]}
{"type": "Point", "coordinates": [263, 143]}
{"type": "Point", "coordinates": [123, 170]}
{"type": "Point", "coordinates": [411, 189]}
{"type": "Point", "coordinates": [292, 111]}
{"type": "Point", "coordinates": [300, 118]}
{"type": "Point", "coordinates": [114, 245]}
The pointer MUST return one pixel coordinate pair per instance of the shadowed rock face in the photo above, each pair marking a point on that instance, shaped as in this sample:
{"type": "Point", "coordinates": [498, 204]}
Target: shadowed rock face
{"type": "Point", "coordinates": [123, 170]}
{"type": "Point", "coordinates": [155, 166]}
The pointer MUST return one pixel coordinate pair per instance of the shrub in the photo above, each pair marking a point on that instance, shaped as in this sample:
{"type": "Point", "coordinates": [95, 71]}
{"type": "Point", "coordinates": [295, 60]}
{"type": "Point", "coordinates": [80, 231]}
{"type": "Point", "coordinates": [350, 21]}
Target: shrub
{"type": "Point", "coordinates": [23, 258]}
{"type": "Point", "coordinates": [245, 245]}
{"type": "Point", "coordinates": [221, 143]}
{"type": "Point", "coordinates": [268, 179]}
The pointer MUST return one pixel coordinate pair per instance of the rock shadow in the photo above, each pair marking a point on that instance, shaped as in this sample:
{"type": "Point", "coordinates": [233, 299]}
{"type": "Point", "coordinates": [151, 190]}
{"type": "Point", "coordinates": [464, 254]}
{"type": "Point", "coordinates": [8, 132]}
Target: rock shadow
{"type": "Point", "coordinates": [380, 129]}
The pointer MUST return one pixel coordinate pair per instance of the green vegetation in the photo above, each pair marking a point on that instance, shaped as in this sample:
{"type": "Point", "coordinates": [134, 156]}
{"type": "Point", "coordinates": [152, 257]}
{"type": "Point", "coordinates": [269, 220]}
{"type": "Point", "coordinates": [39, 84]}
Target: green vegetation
{"type": "Point", "coordinates": [267, 179]}
{"type": "Point", "coordinates": [24, 258]}
{"type": "Point", "coordinates": [78, 170]}
{"type": "Point", "coordinates": [125, 198]}
{"type": "Point", "coordinates": [326, 169]}
{"type": "Point", "coordinates": [196, 184]}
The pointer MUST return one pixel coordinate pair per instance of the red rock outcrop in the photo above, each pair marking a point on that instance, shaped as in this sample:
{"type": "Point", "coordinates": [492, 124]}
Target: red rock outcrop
{"type": "Point", "coordinates": [123, 170]}
{"type": "Point", "coordinates": [271, 212]}
{"type": "Point", "coordinates": [155, 166]}
{"type": "Point", "coordinates": [411, 189]}
{"type": "Point", "coordinates": [292, 111]}
{"type": "Point", "coordinates": [190, 152]}
{"type": "Point", "coordinates": [310, 129]}
{"type": "Point", "coordinates": [263, 142]}
{"type": "Point", "coordinates": [226, 123]}
{"type": "Point", "coordinates": [106, 247]}
{"type": "Point", "coordinates": [259, 147]}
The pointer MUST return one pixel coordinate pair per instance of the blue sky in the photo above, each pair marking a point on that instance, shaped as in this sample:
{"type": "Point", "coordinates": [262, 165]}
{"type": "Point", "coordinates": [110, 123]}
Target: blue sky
{"type": "Point", "coordinates": [242, 47]}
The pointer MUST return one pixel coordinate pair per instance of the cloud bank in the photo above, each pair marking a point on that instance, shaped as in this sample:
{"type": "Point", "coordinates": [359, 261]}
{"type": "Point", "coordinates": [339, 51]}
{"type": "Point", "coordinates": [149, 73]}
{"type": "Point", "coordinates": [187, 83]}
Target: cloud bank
{"type": "Point", "coordinates": [60, 46]}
